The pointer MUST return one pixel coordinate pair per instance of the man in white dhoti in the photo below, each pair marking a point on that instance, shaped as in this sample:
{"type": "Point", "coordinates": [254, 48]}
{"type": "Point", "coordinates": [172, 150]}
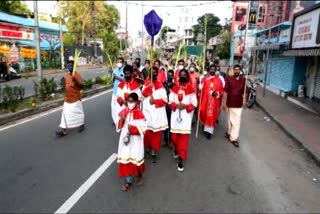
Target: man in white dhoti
{"type": "Point", "coordinates": [132, 123]}
{"type": "Point", "coordinates": [117, 77]}
{"type": "Point", "coordinates": [234, 100]}
{"type": "Point", "coordinates": [72, 114]}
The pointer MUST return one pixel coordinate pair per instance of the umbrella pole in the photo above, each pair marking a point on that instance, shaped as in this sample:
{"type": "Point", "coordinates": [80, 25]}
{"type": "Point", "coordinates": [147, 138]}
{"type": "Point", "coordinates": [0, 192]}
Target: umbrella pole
{"type": "Point", "coordinates": [151, 64]}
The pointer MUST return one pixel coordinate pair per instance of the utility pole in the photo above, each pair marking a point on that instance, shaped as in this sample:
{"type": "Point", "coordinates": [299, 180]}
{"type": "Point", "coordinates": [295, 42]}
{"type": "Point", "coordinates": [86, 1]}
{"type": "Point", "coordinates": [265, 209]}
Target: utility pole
{"type": "Point", "coordinates": [93, 33]}
{"type": "Point", "coordinates": [37, 32]}
{"type": "Point", "coordinates": [142, 27]}
{"type": "Point", "coordinates": [270, 5]}
{"type": "Point", "coordinates": [61, 35]}
{"type": "Point", "coordinates": [126, 25]}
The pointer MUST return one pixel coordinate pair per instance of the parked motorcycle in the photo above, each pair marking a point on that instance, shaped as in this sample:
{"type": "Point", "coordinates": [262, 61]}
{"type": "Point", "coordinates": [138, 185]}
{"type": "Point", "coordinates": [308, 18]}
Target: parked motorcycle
{"type": "Point", "coordinates": [251, 92]}
{"type": "Point", "coordinates": [15, 71]}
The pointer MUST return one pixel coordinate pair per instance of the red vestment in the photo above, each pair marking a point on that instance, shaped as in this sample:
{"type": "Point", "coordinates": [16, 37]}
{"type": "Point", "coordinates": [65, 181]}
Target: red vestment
{"type": "Point", "coordinates": [131, 84]}
{"type": "Point", "coordinates": [210, 105]}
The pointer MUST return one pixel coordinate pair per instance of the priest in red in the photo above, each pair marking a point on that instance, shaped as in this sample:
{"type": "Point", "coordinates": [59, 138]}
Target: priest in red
{"type": "Point", "coordinates": [154, 108]}
{"type": "Point", "coordinates": [131, 122]}
{"type": "Point", "coordinates": [183, 101]}
{"type": "Point", "coordinates": [210, 102]}
{"type": "Point", "coordinates": [126, 87]}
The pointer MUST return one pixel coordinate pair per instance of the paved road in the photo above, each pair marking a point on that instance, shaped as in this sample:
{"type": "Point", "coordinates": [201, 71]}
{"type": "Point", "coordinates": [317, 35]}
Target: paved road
{"type": "Point", "coordinates": [28, 83]}
{"type": "Point", "coordinates": [268, 173]}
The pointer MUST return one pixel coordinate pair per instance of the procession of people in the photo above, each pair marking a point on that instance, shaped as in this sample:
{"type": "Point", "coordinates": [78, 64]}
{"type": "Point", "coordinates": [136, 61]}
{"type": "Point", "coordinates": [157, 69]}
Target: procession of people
{"type": "Point", "coordinates": [166, 107]}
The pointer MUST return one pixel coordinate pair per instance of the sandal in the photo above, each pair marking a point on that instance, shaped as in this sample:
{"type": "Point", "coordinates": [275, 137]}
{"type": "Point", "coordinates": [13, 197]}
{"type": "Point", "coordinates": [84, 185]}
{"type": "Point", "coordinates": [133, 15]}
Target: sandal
{"type": "Point", "coordinates": [235, 143]}
{"type": "Point", "coordinates": [125, 187]}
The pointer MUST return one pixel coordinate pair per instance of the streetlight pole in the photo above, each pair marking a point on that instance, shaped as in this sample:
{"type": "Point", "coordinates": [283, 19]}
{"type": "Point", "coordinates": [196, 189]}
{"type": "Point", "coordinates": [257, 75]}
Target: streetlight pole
{"type": "Point", "coordinates": [268, 49]}
{"type": "Point", "coordinates": [37, 33]}
{"type": "Point", "coordinates": [142, 26]}
{"type": "Point", "coordinates": [61, 36]}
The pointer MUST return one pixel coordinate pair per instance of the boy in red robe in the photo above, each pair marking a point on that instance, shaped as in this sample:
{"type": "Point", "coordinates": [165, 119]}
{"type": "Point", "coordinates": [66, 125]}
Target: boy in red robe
{"type": "Point", "coordinates": [210, 103]}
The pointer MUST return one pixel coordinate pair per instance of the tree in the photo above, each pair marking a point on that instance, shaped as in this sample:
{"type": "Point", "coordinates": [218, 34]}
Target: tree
{"type": "Point", "coordinates": [111, 45]}
{"type": "Point", "coordinates": [223, 50]}
{"type": "Point", "coordinates": [213, 27]}
{"type": "Point", "coordinates": [78, 16]}
{"type": "Point", "coordinates": [14, 7]}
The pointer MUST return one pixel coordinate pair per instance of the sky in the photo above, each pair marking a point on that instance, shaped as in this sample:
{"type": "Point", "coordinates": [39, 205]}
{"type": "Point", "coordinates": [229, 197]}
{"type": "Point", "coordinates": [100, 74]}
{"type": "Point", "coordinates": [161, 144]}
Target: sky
{"type": "Point", "coordinates": [170, 15]}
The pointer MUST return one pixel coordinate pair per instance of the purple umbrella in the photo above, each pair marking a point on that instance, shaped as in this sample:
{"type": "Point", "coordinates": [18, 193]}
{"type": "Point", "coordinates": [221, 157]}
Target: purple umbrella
{"type": "Point", "coordinates": [152, 23]}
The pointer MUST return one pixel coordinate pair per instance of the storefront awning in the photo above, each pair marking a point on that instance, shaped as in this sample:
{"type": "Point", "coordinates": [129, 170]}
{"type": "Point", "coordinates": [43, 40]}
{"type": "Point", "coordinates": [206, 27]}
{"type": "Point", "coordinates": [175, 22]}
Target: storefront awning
{"type": "Point", "coordinates": [302, 52]}
{"type": "Point", "coordinates": [282, 26]}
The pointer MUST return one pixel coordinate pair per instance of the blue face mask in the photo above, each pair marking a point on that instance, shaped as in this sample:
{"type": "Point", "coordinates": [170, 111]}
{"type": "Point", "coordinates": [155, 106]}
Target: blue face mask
{"type": "Point", "coordinates": [217, 73]}
{"type": "Point", "coordinates": [70, 68]}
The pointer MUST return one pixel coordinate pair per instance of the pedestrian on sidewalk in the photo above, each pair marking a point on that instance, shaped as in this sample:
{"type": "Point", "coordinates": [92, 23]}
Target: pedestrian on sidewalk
{"type": "Point", "coordinates": [132, 124]}
{"type": "Point", "coordinates": [168, 85]}
{"type": "Point", "coordinates": [154, 109]}
{"type": "Point", "coordinates": [72, 114]}
{"type": "Point", "coordinates": [234, 101]}
{"type": "Point", "coordinates": [183, 101]}
{"type": "Point", "coordinates": [210, 101]}
{"type": "Point", "coordinates": [117, 77]}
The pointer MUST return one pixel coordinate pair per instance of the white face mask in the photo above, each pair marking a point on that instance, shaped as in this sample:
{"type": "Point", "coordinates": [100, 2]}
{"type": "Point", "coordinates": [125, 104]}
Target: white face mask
{"type": "Point", "coordinates": [192, 69]}
{"type": "Point", "coordinates": [119, 65]}
{"type": "Point", "coordinates": [180, 67]}
{"type": "Point", "coordinates": [147, 65]}
{"type": "Point", "coordinates": [131, 105]}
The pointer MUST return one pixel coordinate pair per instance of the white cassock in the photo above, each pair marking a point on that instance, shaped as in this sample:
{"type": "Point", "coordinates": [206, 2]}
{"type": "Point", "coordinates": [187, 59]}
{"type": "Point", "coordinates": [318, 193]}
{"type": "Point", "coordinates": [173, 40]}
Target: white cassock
{"type": "Point", "coordinates": [72, 115]}
{"type": "Point", "coordinates": [134, 151]}
{"type": "Point", "coordinates": [156, 117]}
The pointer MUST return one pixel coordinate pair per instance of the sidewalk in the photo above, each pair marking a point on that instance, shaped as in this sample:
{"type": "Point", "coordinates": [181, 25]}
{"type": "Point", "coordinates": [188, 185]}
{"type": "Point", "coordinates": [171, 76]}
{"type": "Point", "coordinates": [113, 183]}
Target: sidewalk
{"type": "Point", "coordinates": [55, 71]}
{"type": "Point", "coordinates": [302, 125]}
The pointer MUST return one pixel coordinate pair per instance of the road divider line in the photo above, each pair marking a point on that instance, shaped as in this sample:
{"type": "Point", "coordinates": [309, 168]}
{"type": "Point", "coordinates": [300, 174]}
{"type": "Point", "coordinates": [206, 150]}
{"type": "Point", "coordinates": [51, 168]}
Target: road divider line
{"type": "Point", "coordinates": [74, 198]}
{"type": "Point", "coordinates": [37, 116]}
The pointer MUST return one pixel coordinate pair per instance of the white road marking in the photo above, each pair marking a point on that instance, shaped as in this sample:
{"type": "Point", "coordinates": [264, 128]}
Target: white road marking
{"type": "Point", "coordinates": [37, 116]}
{"type": "Point", "coordinates": [74, 198]}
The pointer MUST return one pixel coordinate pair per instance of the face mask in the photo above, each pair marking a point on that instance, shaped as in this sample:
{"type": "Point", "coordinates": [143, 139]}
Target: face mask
{"type": "Point", "coordinates": [154, 77]}
{"type": "Point", "coordinates": [147, 65]}
{"type": "Point", "coordinates": [217, 73]}
{"type": "Point", "coordinates": [180, 67]}
{"type": "Point", "coordinates": [119, 65]}
{"type": "Point", "coordinates": [127, 78]}
{"type": "Point", "coordinates": [183, 79]}
{"type": "Point", "coordinates": [131, 105]}
{"type": "Point", "coordinates": [192, 69]}
{"type": "Point", "coordinates": [70, 68]}
{"type": "Point", "coordinates": [170, 78]}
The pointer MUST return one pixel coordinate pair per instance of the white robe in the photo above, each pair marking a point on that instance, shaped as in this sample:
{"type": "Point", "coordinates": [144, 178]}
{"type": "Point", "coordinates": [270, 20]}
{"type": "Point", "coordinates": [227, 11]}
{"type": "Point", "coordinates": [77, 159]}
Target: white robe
{"type": "Point", "coordinates": [72, 115]}
{"type": "Point", "coordinates": [183, 127]}
{"type": "Point", "coordinates": [134, 151]}
{"type": "Point", "coordinates": [156, 117]}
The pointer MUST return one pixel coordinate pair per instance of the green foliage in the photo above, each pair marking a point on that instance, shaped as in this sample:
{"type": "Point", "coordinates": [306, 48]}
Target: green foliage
{"type": "Point", "coordinates": [156, 54]}
{"type": "Point", "coordinates": [223, 50]}
{"type": "Point", "coordinates": [12, 96]}
{"type": "Point", "coordinates": [213, 27]}
{"type": "Point", "coordinates": [62, 84]}
{"type": "Point", "coordinates": [14, 7]}
{"type": "Point", "coordinates": [111, 45]}
{"type": "Point", "coordinates": [80, 25]}
{"type": "Point", "coordinates": [87, 84]}
{"type": "Point", "coordinates": [107, 79]}
{"type": "Point", "coordinates": [46, 88]}
{"type": "Point", "coordinates": [99, 80]}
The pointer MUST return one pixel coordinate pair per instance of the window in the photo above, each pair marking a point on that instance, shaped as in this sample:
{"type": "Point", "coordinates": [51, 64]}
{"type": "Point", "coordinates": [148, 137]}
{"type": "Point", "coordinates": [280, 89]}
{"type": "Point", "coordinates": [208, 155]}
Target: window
{"type": "Point", "coordinates": [186, 32]}
{"type": "Point", "coordinates": [186, 19]}
{"type": "Point", "coordinates": [190, 32]}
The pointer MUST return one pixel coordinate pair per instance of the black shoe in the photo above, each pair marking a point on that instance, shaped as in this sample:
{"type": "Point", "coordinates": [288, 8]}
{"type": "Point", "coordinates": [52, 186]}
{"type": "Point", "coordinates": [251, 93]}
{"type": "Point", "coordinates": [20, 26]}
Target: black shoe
{"type": "Point", "coordinates": [180, 167]}
{"type": "Point", "coordinates": [81, 128]}
{"type": "Point", "coordinates": [153, 157]}
{"type": "Point", "coordinates": [208, 135]}
{"type": "Point", "coordinates": [61, 134]}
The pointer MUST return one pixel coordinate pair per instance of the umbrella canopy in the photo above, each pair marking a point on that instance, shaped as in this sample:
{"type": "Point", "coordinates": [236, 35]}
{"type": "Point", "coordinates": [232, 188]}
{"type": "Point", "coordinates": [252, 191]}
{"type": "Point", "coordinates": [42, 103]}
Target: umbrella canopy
{"type": "Point", "coordinates": [152, 23]}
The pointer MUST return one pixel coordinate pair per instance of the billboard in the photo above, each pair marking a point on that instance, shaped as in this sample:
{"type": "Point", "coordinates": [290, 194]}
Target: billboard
{"type": "Point", "coordinates": [306, 32]}
{"type": "Point", "coordinates": [297, 6]}
{"type": "Point", "coordinates": [239, 17]}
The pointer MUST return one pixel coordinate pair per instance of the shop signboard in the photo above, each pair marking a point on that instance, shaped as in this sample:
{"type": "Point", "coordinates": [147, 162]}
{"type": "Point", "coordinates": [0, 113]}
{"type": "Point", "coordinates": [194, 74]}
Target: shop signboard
{"type": "Point", "coordinates": [14, 54]}
{"type": "Point", "coordinates": [15, 32]}
{"type": "Point", "coordinates": [305, 32]}
{"type": "Point", "coordinates": [28, 53]}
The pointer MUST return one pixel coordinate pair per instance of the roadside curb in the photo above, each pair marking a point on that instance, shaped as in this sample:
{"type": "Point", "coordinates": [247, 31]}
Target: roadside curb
{"type": "Point", "coordinates": [291, 134]}
{"type": "Point", "coordinates": [45, 107]}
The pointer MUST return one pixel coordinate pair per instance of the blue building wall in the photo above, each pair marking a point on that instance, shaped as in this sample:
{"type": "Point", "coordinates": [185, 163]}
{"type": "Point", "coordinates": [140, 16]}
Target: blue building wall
{"type": "Point", "coordinates": [285, 73]}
